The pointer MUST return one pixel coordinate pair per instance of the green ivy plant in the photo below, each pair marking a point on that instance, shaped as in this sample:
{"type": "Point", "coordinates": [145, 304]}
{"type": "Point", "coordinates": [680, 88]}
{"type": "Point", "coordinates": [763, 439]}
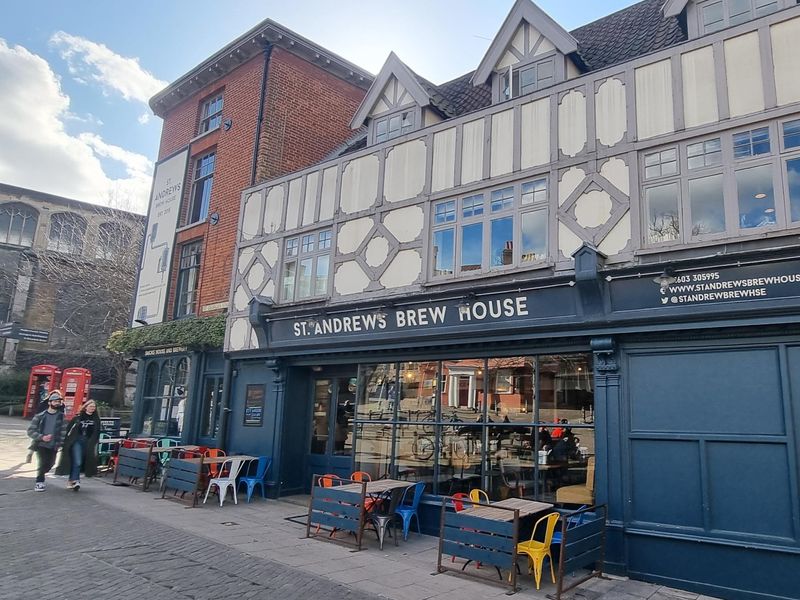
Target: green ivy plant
{"type": "Point", "coordinates": [197, 334]}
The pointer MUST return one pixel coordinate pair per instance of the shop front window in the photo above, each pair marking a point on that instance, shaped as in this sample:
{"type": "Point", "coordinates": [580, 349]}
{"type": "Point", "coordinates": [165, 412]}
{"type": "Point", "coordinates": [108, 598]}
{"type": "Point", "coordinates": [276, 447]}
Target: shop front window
{"type": "Point", "coordinates": [519, 426]}
{"type": "Point", "coordinates": [164, 397]}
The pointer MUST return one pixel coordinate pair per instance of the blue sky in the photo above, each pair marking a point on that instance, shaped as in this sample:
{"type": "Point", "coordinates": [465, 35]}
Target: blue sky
{"type": "Point", "coordinates": [76, 122]}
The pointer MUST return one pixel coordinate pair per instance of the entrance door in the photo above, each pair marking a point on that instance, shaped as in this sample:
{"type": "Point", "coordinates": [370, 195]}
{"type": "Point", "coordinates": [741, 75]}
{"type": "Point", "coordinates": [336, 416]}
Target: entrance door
{"type": "Point", "coordinates": [210, 411]}
{"type": "Point", "coordinates": [330, 446]}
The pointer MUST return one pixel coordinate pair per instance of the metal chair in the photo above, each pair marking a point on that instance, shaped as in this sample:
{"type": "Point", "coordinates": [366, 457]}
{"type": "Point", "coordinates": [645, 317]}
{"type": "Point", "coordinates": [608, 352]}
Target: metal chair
{"type": "Point", "coordinates": [479, 496]}
{"type": "Point", "coordinates": [381, 519]}
{"type": "Point", "coordinates": [232, 466]}
{"type": "Point", "coordinates": [251, 481]}
{"type": "Point", "coordinates": [408, 511]}
{"type": "Point", "coordinates": [537, 551]}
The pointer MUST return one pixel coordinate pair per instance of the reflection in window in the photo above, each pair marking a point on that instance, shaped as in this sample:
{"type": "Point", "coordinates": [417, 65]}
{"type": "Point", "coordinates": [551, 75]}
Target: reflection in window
{"type": "Point", "coordinates": [793, 177]}
{"type": "Point", "coordinates": [471, 247]}
{"type": "Point", "coordinates": [704, 154]}
{"type": "Point", "coordinates": [377, 393]}
{"type": "Point", "coordinates": [17, 224]}
{"type": "Point", "coordinates": [756, 198]}
{"type": "Point", "coordinates": [751, 143]}
{"type": "Point", "coordinates": [394, 126]}
{"type": "Point", "coordinates": [713, 16]}
{"type": "Point", "coordinates": [663, 215]}
{"type": "Point", "coordinates": [707, 204]}
{"type": "Point", "coordinates": [321, 417]}
{"type": "Point", "coordinates": [502, 244]}
{"type": "Point", "coordinates": [343, 419]}
{"type": "Point", "coordinates": [443, 244]}
{"type": "Point", "coordinates": [534, 236]}
{"type": "Point", "coordinates": [209, 417]}
{"type": "Point", "coordinates": [661, 164]}
{"type": "Point", "coordinates": [444, 212]}
{"type": "Point", "coordinates": [791, 134]}
{"type": "Point", "coordinates": [502, 199]}
{"type": "Point", "coordinates": [373, 453]}
{"type": "Point", "coordinates": [534, 192]}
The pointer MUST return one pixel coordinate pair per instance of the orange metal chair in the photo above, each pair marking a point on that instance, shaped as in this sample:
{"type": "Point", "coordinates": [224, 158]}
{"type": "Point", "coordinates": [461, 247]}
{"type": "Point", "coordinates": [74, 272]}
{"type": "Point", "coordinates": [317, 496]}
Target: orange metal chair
{"type": "Point", "coordinates": [213, 469]}
{"type": "Point", "coordinates": [537, 551]}
{"type": "Point", "coordinates": [326, 481]}
{"type": "Point", "coordinates": [361, 476]}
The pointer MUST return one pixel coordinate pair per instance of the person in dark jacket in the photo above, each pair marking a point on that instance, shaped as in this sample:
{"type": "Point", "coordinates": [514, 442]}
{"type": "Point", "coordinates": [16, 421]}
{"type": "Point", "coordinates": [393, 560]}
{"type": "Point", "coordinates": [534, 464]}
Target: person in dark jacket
{"type": "Point", "coordinates": [46, 431]}
{"type": "Point", "coordinates": [80, 446]}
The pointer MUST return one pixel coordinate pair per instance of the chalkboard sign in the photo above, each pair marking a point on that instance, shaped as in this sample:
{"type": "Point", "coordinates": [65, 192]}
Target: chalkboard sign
{"type": "Point", "coordinates": [254, 405]}
{"type": "Point", "coordinates": [110, 425]}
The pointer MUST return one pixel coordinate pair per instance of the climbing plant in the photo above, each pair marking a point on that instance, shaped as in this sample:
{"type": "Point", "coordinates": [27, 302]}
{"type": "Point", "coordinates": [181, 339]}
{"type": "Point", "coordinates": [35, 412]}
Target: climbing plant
{"type": "Point", "coordinates": [199, 333]}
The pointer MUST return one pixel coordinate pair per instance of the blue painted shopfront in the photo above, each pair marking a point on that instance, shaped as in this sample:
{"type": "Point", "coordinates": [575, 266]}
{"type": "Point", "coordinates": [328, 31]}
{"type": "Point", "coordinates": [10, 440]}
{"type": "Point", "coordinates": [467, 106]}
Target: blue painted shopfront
{"type": "Point", "coordinates": [696, 402]}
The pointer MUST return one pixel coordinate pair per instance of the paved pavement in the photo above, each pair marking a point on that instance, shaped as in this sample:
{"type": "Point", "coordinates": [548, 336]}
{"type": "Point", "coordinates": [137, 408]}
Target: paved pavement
{"type": "Point", "coordinates": [116, 542]}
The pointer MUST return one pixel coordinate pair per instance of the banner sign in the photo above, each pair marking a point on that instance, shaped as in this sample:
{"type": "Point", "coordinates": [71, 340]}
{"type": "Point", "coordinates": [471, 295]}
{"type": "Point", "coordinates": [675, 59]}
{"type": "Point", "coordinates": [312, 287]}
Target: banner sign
{"type": "Point", "coordinates": [724, 285]}
{"type": "Point", "coordinates": [162, 220]}
{"type": "Point", "coordinates": [419, 318]}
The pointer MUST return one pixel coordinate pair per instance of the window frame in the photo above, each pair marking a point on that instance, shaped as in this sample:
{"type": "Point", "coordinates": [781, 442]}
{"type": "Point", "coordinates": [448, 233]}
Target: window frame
{"type": "Point", "coordinates": [412, 110]}
{"type": "Point", "coordinates": [185, 272]}
{"type": "Point", "coordinates": [198, 207]}
{"type": "Point", "coordinates": [515, 210]}
{"type": "Point", "coordinates": [17, 211]}
{"type": "Point", "coordinates": [77, 221]}
{"type": "Point", "coordinates": [514, 72]}
{"type": "Point", "coordinates": [300, 255]}
{"type": "Point", "coordinates": [725, 22]}
{"type": "Point", "coordinates": [206, 118]}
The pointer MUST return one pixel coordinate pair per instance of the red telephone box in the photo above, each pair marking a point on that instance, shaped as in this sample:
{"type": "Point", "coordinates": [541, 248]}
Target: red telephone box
{"type": "Point", "coordinates": [75, 382]}
{"type": "Point", "coordinates": [43, 379]}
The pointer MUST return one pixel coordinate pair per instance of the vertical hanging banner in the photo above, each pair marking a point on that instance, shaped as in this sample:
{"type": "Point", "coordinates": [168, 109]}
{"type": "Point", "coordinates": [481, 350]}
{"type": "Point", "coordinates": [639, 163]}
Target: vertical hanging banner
{"type": "Point", "coordinates": [162, 220]}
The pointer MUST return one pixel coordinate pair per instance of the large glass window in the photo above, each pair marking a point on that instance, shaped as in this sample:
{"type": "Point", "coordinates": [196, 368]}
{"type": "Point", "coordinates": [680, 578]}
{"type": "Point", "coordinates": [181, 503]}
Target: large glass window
{"type": "Point", "coordinates": [306, 266]}
{"type": "Point", "coordinates": [707, 203]}
{"type": "Point", "coordinates": [17, 224]}
{"type": "Point", "coordinates": [514, 426]}
{"type": "Point", "coordinates": [756, 197]}
{"type": "Point", "coordinates": [663, 213]}
{"type": "Point", "coordinates": [718, 14]}
{"type": "Point", "coordinates": [164, 398]}
{"type": "Point", "coordinates": [793, 181]}
{"type": "Point", "coordinates": [201, 187]}
{"type": "Point", "coordinates": [481, 232]}
{"type": "Point", "coordinates": [518, 81]}
{"type": "Point", "coordinates": [188, 279]}
{"type": "Point", "coordinates": [67, 232]}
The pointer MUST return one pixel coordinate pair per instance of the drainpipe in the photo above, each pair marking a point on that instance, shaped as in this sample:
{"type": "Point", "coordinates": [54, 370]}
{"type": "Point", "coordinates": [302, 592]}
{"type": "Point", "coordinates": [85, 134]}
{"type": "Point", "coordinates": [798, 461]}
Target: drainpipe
{"type": "Point", "coordinates": [262, 97]}
{"type": "Point", "coordinates": [225, 410]}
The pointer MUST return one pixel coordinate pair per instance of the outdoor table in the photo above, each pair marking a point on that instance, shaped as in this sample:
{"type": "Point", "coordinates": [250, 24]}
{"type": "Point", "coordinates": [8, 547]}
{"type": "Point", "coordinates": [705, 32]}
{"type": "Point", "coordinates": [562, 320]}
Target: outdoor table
{"type": "Point", "coordinates": [185, 474]}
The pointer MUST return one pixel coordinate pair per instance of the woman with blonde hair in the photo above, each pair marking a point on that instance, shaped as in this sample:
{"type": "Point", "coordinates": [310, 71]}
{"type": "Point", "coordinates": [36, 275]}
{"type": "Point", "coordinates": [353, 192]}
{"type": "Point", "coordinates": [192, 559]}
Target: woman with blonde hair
{"type": "Point", "coordinates": [80, 445]}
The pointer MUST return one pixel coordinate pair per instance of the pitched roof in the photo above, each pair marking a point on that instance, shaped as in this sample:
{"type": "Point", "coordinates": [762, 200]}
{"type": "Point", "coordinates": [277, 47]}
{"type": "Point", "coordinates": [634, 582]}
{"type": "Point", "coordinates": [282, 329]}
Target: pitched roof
{"type": "Point", "coordinates": [627, 34]}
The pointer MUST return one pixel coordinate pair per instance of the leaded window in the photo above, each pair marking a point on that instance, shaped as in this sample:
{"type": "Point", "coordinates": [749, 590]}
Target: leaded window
{"type": "Point", "coordinates": [17, 224]}
{"type": "Point", "coordinates": [67, 233]}
{"type": "Point", "coordinates": [306, 266]}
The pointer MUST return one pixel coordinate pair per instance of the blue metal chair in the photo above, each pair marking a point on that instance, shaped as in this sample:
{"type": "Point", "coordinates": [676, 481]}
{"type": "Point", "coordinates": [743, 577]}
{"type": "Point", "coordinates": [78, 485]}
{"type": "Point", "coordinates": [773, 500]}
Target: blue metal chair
{"type": "Point", "coordinates": [264, 463]}
{"type": "Point", "coordinates": [572, 521]}
{"type": "Point", "coordinates": [408, 511]}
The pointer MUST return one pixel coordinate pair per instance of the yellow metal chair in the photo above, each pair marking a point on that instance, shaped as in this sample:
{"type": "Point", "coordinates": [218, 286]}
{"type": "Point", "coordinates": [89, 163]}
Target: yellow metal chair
{"type": "Point", "coordinates": [537, 551]}
{"type": "Point", "coordinates": [479, 496]}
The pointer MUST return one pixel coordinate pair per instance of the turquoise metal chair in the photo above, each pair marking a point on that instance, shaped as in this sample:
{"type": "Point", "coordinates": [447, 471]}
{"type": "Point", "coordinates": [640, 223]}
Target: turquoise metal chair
{"type": "Point", "coordinates": [409, 511]}
{"type": "Point", "coordinates": [262, 468]}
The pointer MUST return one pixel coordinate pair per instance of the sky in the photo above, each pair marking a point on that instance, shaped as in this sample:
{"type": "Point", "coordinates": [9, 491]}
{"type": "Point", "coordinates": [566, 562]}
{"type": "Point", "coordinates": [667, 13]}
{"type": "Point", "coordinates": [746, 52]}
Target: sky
{"type": "Point", "coordinates": [75, 77]}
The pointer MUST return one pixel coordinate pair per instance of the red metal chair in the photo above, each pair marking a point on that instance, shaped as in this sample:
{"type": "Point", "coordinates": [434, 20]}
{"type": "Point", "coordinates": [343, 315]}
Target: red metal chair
{"type": "Point", "coordinates": [213, 469]}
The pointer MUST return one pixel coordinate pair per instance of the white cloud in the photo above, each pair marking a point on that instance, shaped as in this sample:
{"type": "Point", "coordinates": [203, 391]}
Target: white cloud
{"type": "Point", "coordinates": [144, 119]}
{"type": "Point", "coordinates": [37, 152]}
{"type": "Point", "coordinates": [90, 61]}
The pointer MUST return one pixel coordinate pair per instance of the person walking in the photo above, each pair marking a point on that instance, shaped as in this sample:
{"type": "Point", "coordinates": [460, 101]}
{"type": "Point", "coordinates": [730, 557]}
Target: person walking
{"type": "Point", "coordinates": [80, 446]}
{"type": "Point", "coordinates": [46, 431]}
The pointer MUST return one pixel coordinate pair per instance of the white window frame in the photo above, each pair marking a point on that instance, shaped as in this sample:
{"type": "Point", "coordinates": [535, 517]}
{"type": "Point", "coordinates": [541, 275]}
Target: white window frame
{"type": "Point", "coordinates": [512, 74]}
{"type": "Point", "coordinates": [209, 121]}
{"type": "Point", "coordinates": [515, 209]}
{"type": "Point", "coordinates": [726, 21]}
{"type": "Point", "coordinates": [410, 112]}
{"type": "Point", "coordinates": [296, 249]}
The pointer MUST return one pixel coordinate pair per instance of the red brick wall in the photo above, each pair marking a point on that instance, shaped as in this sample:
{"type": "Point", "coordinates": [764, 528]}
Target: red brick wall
{"type": "Point", "coordinates": [307, 115]}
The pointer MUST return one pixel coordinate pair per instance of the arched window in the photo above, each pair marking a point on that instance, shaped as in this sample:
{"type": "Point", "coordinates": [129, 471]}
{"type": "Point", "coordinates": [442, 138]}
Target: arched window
{"type": "Point", "coordinates": [112, 238]}
{"type": "Point", "coordinates": [67, 232]}
{"type": "Point", "coordinates": [151, 380]}
{"type": "Point", "coordinates": [17, 224]}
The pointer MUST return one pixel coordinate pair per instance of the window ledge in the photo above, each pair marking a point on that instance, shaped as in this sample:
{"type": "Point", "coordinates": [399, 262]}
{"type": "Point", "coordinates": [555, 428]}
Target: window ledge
{"type": "Point", "coordinates": [191, 225]}
{"type": "Point", "coordinates": [793, 231]}
{"type": "Point", "coordinates": [434, 282]}
{"type": "Point", "coordinates": [204, 134]}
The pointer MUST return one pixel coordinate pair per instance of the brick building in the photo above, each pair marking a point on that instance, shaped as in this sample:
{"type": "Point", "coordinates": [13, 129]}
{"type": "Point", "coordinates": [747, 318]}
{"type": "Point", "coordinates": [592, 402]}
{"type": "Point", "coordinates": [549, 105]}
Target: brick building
{"type": "Point", "coordinates": [269, 103]}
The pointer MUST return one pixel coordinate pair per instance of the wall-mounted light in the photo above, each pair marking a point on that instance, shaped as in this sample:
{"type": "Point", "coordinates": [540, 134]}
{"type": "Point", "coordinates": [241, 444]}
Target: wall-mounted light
{"type": "Point", "coordinates": [227, 124]}
{"type": "Point", "coordinates": [665, 279]}
{"type": "Point", "coordinates": [466, 302]}
{"type": "Point", "coordinates": [316, 368]}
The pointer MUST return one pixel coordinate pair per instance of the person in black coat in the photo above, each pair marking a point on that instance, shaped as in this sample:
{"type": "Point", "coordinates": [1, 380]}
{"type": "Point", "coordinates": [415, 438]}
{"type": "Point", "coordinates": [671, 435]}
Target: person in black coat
{"type": "Point", "coordinates": [80, 446]}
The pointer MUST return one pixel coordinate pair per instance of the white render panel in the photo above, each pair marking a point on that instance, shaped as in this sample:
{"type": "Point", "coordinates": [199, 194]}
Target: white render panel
{"type": "Point", "coordinates": [377, 251]}
{"type": "Point", "coordinates": [350, 279]}
{"type": "Point", "coordinates": [352, 233]}
{"type": "Point", "coordinates": [293, 203]}
{"type": "Point", "coordinates": [310, 203]}
{"type": "Point", "coordinates": [507, 60]}
{"type": "Point", "coordinates": [610, 112]}
{"type": "Point", "coordinates": [240, 299]}
{"type": "Point", "coordinates": [328, 198]}
{"type": "Point", "coordinates": [616, 171]}
{"type": "Point", "coordinates": [699, 87]}
{"type": "Point", "coordinates": [404, 175]}
{"type": "Point", "coordinates": [502, 143]}
{"type": "Point", "coordinates": [570, 180]}
{"type": "Point", "coordinates": [380, 108]}
{"type": "Point", "coordinates": [429, 117]}
{"type": "Point", "coordinates": [654, 106]}
{"type": "Point", "coordinates": [444, 160]}
{"type": "Point", "coordinates": [252, 211]}
{"type": "Point", "coordinates": [244, 257]}
{"type": "Point", "coordinates": [472, 151]}
{"type": "Point", "coordinates": [274, 210]}
{"type": "Point", "coordinates": [535, 133]}
{"type": "Point", "coordinates": [785, 38]}
{"type": "Point", "coordinates": [255, 277]}
{"type": "Point", "coordinates": [743, 71]}
{"type": "Point", "coordinates": [593, 209]}
{"type": "Point", "coordinates": [572, 70]}
{"type": "Point", "coordinates": [270, 253]}
{"type": "Point", "coordinates": [518, 41]}
{"type": "Point", "coordinates": [239, 335]}
{"type": "Point", "coordinates": [618, 238]}
{"type": "Point", "coordinates": [572, 123]}
{"type": "Point", "coordinates": [404, 270]}
{"type": "Point", "coordinates": [359, 184]}
{"type": "Point", "coordinates": [269, 289]}
{"type": "Point", "coordinates": [405, 224]}
{"type": "Point", "coordinates": [568, 242]}
{"type": "Point", "coordinates": [544, 47]}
